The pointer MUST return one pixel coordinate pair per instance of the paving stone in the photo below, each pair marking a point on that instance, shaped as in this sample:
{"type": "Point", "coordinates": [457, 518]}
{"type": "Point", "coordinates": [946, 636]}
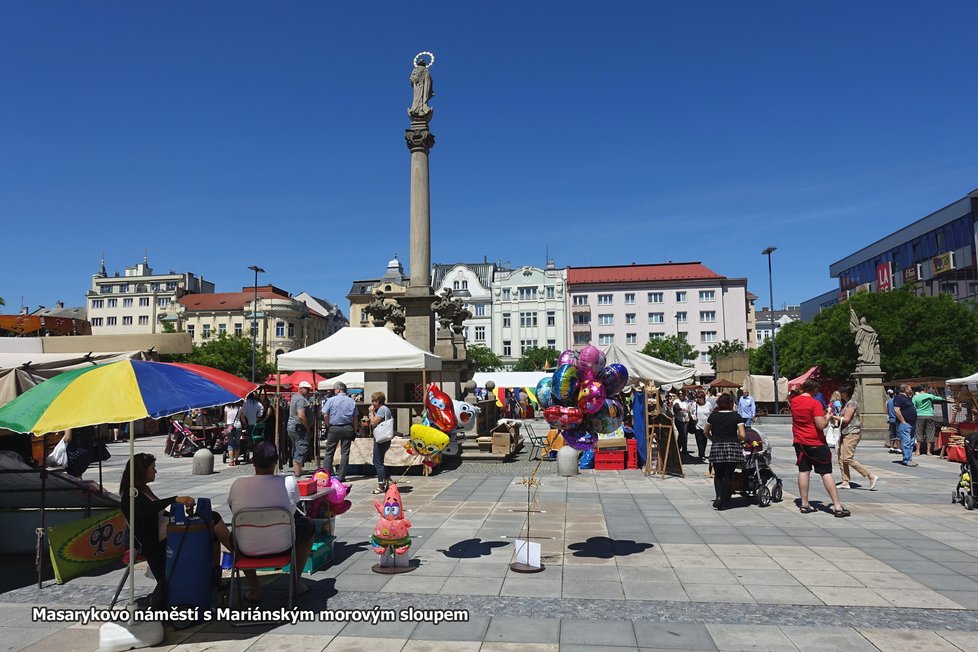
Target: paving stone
{"type": "Point", "coordinates": [290, 643]}
{"type": "Point", "coordinates": [523, 630]}
{"type": "Point", "coordinates": [787, 595]}
{"type": "Point", "coordinates": [356, 644]}
{"type": "Point", "coordinates": [671, 591]}
{"type": "Point", "coordinates": [673, 636]}
{"type": "Point", "coordinates": [466, 586]}
{"type": "Point", "coordinates": [707, 593]}
{"type": "Point", "coordinates": [749, 637]}
{"type": "Point", "coordinates": [604, 633]}
{"type": "Point", "coordinates": [849, 596]}
{"type": "Point", "coordinates": [473, 630]}
{"type": "Point", "coordinates": [593, 589]}
{"type": "Point", "coordinates": [819, 639]}
{"type": "Point", "coordinates": [906, 640]}
{"type": "Point", "coordinates": [532, 586]}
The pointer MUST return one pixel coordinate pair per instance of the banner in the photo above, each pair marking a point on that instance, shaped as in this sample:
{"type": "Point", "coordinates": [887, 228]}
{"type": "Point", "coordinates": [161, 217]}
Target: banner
{"type": "Point", "coordinates": [942, 263]}
{"type": "Point", "coordinates": [884, 277]}
{"type": "Point", "coordinates": [89, 543]}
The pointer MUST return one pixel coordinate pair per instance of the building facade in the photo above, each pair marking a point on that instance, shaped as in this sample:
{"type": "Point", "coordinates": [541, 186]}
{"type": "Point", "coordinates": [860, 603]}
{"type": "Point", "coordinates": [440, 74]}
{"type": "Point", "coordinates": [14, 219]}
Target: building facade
{"type": "Point", "coordinates": [393, 284]}
{"type": "Point", "coordinates": [335, 319]}
{"type": "Point", "coordinates": [529, 307]}
{"type": "Point", "coordinates": [133, 303]}
{"type": "Point", "coordinates": [472, 284]}
{"type": "Point", "coordinates": [629, 305]}
{"type": "Point", "coordinates": [769, 321]}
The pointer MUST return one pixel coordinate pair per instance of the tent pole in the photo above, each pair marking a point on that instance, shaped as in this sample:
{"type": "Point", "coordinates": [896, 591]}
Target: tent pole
{"type": "Point", "coordinates": [42, 531]}
{"type": "Point", "coordinates": [278, 398]}
{"type": "Point", "coordinates": [315, 423]}
{"type": "Point", "coordinates": [132, 516]}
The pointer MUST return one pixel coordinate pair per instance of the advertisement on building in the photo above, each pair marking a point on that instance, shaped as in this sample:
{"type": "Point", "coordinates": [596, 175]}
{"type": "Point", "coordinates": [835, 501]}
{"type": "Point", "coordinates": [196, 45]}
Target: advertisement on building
{"type": "Point", "coordinates": [942, 263]}
{"type": "Point", "coordinates": [884, 277]}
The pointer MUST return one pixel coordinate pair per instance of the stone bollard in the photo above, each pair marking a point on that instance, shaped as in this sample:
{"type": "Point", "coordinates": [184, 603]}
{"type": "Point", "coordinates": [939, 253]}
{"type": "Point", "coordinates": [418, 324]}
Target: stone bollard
{"type": "Point", "coordinates": [203, 462]}
{"type": "Point", "coordinates": [567, 459]}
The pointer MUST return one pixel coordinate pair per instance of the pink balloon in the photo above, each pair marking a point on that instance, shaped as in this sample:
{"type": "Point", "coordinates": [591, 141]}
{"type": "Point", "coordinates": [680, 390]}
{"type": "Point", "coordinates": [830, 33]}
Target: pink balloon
{"type": "Point", "coordinates": [341, 507]}
{"type": "Point", "coordinates": [591, 357]}
{"type": "Point", "coordinates": [591, 396]}
{"type": "Point", "coordinates": [339, 491]}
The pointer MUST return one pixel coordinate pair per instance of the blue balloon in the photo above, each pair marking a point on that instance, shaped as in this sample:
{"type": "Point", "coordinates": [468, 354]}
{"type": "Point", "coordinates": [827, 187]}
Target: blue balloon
{"type": "Point", "coordinates": [614, 377]}
{"type": "Point", "coordinates": [545, 392]}
{"type": "Point", "coordinates": [565, 382]}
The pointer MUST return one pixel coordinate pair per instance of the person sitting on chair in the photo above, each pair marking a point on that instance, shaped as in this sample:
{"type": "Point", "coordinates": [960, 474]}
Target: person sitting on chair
{"type": "Point", "coordinates": [263, 490]}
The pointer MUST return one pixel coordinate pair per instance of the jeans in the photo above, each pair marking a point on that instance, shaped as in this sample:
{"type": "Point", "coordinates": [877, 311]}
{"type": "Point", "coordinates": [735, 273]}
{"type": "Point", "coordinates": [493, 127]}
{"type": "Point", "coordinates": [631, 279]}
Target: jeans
{"type": "Point", "coordinates": [342, 435]}
{"type": "Point", "coordinates": [683, 437]}
{"type": "Point", "coordinates": [700, 442]}
{"type": "Point", "coordinates": [905, 433]}
{"type": "Point", "coordinates": [748, 422]}
{"type": "Point", "coordinates": [380, 450]}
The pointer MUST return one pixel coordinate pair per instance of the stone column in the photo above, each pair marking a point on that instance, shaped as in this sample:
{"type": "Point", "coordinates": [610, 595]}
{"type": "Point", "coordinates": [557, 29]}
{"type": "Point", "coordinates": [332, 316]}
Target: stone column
{"type": "Point", "coordinates": [420, 141]}
{"type": "Point", "coordinates": [870, 394]}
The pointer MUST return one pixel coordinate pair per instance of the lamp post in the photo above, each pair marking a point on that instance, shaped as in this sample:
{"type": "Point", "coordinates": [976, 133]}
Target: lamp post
{"type": "Point", "coordinates": [254, 320]}
{"type": "Point", "coordinates": [774, 345]}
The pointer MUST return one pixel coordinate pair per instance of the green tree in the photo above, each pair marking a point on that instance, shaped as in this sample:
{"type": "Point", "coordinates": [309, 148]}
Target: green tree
{"type": "Point", "coordinates": [536, 359]}
{"type": "Point", "coordinates": [484, 358]}
{"type": "Point", "coordinates": [672, 348]}
{"type": "Point", "coordinates": [228, 353]}
{"type": "Point", "coordinates": [726, 347]}
{"type": "Point", "coordinates": [2, 302]}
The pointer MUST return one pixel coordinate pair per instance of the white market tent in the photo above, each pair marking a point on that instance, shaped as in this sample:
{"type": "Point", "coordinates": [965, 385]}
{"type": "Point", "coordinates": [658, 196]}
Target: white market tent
{"type": "Point", "coordinates": [510, 378]}
{"type": "Point", "coordinates": [352, 380]}
{"type": "Point", "coordinates": [762, 388]}
{"type": "Point", "coordinates": [969, 381]}
{"type": "Point", "coordinates": [360, 349]}
{"type": "Point", "coordinates": [645, 368]}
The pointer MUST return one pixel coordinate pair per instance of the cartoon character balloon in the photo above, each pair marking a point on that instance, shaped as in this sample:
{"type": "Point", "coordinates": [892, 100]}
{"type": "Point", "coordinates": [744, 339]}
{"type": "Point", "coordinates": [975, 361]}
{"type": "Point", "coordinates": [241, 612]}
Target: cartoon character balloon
{"type": "Point", "coordinates": [440, 408]}
{"type": "Point", "coordinates": [614, 377]}
{"type": "Point", "coordinates": [339, 491]}
{"type": "Point", "coordinates": [592, 358]}
{"type": "Point", "coordinates": [392, 529]}
{"type": "Point", "coordinates": [321, 476]}
{"type": "Point", "coordinates": [608, 418]}
{"type": "Point", "coordinates": [590, 396]}
{"type": "Point", "coordinates": [465, 415]}
{"type": "Point", "coordinates": [428, 441]}
{"type": "Point", "coordinates": [565, 383]}
{"type": "Point", "coordinates": [545, 392]}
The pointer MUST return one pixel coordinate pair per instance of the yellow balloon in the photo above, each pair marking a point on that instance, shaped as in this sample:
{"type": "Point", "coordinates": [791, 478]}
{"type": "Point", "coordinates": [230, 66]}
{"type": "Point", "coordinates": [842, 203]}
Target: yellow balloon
{"type": "Point", "coordinates": [427, 440]}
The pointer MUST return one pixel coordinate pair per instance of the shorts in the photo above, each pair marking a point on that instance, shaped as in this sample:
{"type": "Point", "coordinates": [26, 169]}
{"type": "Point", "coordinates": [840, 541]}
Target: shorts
{"type": "Point", "coordinates": [234, 439]}
{"type": "Point", "coordinates": [300, 445]}
{"type": "Point", "coordinates": [926, 430]}
{"type": "Point", "coordinates": [893, 431]}
{"type": "Point", "coordinates": [817, 457]}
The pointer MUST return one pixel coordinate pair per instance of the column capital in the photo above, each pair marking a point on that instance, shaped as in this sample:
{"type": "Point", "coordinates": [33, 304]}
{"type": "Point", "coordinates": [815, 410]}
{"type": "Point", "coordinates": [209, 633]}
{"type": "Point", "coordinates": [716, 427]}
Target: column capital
{"type": "Point", "coordinates": [418, 138]}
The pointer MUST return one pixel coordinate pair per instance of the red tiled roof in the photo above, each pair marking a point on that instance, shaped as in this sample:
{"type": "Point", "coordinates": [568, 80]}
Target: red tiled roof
{"type": "Point", "coordinates": [632, 273]}
{"type": "Point", "coordinates": [230, 300]}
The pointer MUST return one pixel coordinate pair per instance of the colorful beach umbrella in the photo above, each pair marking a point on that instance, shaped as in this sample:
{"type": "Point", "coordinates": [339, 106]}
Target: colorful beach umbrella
{"type": "Point", "coordinates": [120, 392]}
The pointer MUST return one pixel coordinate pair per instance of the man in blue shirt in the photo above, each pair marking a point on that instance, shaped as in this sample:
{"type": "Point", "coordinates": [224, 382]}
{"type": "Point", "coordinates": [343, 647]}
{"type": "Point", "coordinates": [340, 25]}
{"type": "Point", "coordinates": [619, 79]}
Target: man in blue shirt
{"type": "Point", "coordinates": [906, 415]}
{"type": "Point", "coordinates": [892, 423]}
{"type": "Point", "coordinates": [339, 416]}
{"type": "Point", "coordinates": [746, 408]}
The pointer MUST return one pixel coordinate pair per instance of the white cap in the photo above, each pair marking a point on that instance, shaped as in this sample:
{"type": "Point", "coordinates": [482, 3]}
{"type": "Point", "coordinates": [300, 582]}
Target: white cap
{"type": "Point", "coordinates": [306, 384]}
{"type": "Point", "coordinates": [889, 391]}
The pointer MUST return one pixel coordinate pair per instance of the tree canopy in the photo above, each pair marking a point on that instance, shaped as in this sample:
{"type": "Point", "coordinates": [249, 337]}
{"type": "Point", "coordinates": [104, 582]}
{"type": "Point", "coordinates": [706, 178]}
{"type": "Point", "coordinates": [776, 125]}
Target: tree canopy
{"type": "Point", "coordinates": [536, 359]}
{"type": "Point", "coordinates": [484, 358]}
{"type": "Point", "coordinates": [918, 336]}
{"type": "Point", "coordinates": [672, 348]}
{"type": "Point", "coordinates": [230, 353]}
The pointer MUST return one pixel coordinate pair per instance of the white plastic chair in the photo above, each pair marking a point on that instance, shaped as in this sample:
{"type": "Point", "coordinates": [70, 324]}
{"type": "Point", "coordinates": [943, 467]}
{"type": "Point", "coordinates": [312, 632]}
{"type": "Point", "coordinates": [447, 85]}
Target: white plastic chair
{"type": "Point", "coordinates": [261, 518]}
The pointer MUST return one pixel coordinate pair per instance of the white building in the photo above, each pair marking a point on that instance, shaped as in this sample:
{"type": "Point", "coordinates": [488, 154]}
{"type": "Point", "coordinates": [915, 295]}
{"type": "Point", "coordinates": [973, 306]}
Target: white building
{"type": "Point", "coordinates": [133, 303]}
{"type": "Point", "coordinates": [529, 308]}
{"type": "Point", "coordinates": [335, 319]}
{"type": "Point", "coordinates": [629, 305]}
{"type": "Point", "coordinates": [472, 284]}
{"type": "Point", "coordinates": [770, 321]}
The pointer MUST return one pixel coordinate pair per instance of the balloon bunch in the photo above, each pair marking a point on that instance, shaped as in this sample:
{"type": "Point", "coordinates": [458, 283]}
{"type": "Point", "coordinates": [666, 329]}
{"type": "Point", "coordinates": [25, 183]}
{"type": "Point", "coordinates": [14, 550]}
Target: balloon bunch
{"type": "Point", "coordinates": [576, 398]}
{"type": "Point", "coordinates": [337, 500]}
{"type": "Point", "coordinates": [443, 419]}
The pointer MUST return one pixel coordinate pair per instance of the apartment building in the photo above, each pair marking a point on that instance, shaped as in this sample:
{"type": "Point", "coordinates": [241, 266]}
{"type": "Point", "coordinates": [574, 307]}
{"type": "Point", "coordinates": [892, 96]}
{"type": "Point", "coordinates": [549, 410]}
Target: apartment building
{"type": "Point", "coordinates": [472, 284]}
{"type": "Point", "coordinates": [529, 308]}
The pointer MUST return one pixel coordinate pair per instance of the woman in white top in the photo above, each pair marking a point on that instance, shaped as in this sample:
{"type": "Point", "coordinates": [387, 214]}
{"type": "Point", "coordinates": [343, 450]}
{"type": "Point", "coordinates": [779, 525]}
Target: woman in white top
{"type": "Point", "coordinates": [378, 412]}
{"type": "Point", "coordinates": [702, 412]}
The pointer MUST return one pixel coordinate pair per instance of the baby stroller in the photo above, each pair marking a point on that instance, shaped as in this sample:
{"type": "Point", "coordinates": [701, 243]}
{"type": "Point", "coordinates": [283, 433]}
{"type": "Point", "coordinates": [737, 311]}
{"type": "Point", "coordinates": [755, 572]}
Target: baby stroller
{"type": "Point", "coordinates": [966, 492]}
{"type": "Point", "coordinates": [760, 481]}
{"type": "Point", "coordinates": [182, 440]}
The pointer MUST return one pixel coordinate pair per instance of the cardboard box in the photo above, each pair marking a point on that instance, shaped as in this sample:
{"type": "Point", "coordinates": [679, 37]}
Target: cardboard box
{"type": "Point", "coordinates": [503, 443]}
{"type": "Point", "coordinates": [617, 443]}
{"type": "Point", "coordinates": [513, 429]}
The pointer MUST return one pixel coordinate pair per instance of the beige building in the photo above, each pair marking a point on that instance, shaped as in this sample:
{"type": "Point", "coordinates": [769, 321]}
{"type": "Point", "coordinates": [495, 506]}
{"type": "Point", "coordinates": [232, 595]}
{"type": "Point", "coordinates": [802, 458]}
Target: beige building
{"type": "Point", "coordinates": [393, 284]}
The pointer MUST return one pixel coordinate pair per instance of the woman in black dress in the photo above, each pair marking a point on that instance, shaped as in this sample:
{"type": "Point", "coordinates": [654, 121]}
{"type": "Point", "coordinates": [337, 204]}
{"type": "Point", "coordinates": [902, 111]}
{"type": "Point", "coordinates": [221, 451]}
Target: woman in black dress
{"type": "Point", "coordinates": [725, 429]}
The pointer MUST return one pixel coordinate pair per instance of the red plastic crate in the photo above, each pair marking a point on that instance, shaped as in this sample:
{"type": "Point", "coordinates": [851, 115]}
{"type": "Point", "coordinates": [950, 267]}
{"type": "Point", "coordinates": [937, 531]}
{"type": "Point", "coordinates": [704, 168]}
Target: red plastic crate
{"type": "Point", "coordinates": [609, 460]}
{"type": "Point", "coordinates": [632, 458]}
{"type": "Point", "coordinates": [954, 454]}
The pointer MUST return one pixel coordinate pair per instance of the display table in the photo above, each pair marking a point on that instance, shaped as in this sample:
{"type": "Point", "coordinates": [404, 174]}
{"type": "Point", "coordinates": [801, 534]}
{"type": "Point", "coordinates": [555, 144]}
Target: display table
{"type": "Point", "coordinates": [362, 452]}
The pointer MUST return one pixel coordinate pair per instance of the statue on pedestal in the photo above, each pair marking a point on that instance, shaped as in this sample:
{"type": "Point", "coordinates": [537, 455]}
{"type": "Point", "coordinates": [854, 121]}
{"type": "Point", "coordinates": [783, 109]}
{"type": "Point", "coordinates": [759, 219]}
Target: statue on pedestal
{"type": "Point", "coordinates": [423, 88]}
{"type": "Point", "coordinates": [451, 312]}
{"type": "Point", "coordinates": [866, 340]}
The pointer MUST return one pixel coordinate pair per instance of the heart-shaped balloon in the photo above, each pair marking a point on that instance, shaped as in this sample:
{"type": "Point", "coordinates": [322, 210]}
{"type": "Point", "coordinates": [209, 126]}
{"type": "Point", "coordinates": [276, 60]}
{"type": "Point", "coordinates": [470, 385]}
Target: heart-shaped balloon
{"type": "Point", "coordinates": [559, 416]}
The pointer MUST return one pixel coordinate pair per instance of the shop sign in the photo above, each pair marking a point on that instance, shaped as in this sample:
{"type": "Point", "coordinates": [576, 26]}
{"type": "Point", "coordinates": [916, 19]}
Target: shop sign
{"type": "Point", "coordinates": [942, 263]}
{"type": "Point", "coordinates": [884, 277]}
{"type": "Point", "coordinates": [911, 273]}
{"type": "Point", "coordinates": [90, 543]}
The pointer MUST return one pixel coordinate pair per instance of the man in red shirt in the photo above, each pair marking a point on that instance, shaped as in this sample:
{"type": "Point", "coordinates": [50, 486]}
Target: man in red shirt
{"type": "Point", "coordinates": [808, 421]}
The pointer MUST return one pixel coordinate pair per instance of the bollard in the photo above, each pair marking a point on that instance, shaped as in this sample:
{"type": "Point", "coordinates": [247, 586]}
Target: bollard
{"type": "Point", "coordinates": [567, 462]}
{"type": "Point", "coordinates": [203, 462]}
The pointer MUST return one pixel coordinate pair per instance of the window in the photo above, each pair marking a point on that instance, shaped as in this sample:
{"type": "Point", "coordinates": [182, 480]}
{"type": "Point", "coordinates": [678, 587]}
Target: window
{"type": "Point", "coordinates": [629, 298]}
{"type": "Point", "coordinates": [630, 318]}
{"type": "Point", "coordinates": [708, 315]}
{"type": "Point", "coordinates": [254, 329]}
{"type": "Point", "coordinates": [190, 330]}
{"type": "Point", "coordinates": [657, 317]}
{"type": "Point", "coordinates": [657, 336]}
{"type": "Point", "coordinates": [552, 345]}
{"type": "Point", "coordinates": [604, 299]}
{"type": "Point", "coordinates": [606, 320]}
{"type": "Point", "coordinates": [507, 348]}
{"type": "Point", "coordinates": [480, 310]}
{"type": "Point", "coordinates": [708, 295]}
{"type": "Point", "coordinates": [506, 294]}
{"type": "Point", "coordinates": [364, 317]}
{"type": "Point", "coordinates": [465, 333]}
{"type": "Point", "coordinates": [98, 303]}
{"type": "Point", "coordinates": [526, 345]}
{"type": "Point", "coordinates": [96, 321]}
{"type": "Point", "coordinates": [528, 319]}
{"type": "Point", "coordinates": [705, 358]}
{"type": "Point", "coordinates": [222, 329]}
{"type": "Point", "coordinates": [580, 299]}
{"type": "Point", "coordinates": [507, 320]}
{"type": "Point", "coordinates": [606, 339]}
{"type": "Point", "coordinates": [280, 329]}
{"type": "Point", "coordinates": [105, 289]}
{"type": "Point", "coordinates": [631, 338]}
{"type": "Point", "coordinates": [551, 318]}
{"type": "Point", "coordinates": [949, 288]}
{"type": "Point", "coordinates": [110, 321]}
{"type": "Point", "coordinates": [154, 287]}
{"type": "Point", "coordinates": [681, 317]}
{"type": "Point", "coordinates": [143, 320]}
{"type": "Point", "coordinates": [708, 336]}
{"type": "Point", "coordinates": [205, 331]}
{"type": "Point", "coordinates": [682, 334]}
{"type": "Point", "coordinates": [681, 297]}
{"type": "Point", "coordinates": [237, 330]}
{"type": "Point", "coordinates": [163, 302]}
{"type": "Point", "coordinates": [291, 329]}
{"type": "Point", "coordinates": [144, 302]}
{"type": "Point", "coordinates": [460, 285]}
{"type": "Point", "coordinates": [480, 334]}
{"type": "Point", "coordinates": [171, 285]}
{"type": "Point", "coordinates": [123, 288]}
{"type": "Point", "coordinates": [113, 303]}
{"type": "Point", "coordinates": [127, 303]}
{"type": "Point", "coordinates": [580, 339]}
{"type": "Point", "coordinates": [655, 297]}
{"type": "Point", "coordinates": [551, 292]}
{"type": "Point", "coordinates": [582, 319]}
{"type": "Point", "coordinates": [528, 293]}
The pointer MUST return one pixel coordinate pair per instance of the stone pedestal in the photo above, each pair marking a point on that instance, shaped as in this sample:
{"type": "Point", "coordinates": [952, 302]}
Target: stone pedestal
{"type": "Point", "coordinates": [871, 395]}
{"type": "Point", "coordinates": [419, 323]}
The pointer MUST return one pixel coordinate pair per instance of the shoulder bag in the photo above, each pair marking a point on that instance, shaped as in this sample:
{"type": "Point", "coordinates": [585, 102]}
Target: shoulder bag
{"type": "Point", "coordinates": [384, 431]}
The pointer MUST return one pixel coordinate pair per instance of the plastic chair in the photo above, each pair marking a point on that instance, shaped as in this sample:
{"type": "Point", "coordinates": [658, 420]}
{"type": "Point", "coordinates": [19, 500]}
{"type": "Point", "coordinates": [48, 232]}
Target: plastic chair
{"type": "Point", "coordinates": [257, 433]}
{"type": "Point", "coordinates": [125, 575]}
{"type": "Point", "coordinates": [261, 518]}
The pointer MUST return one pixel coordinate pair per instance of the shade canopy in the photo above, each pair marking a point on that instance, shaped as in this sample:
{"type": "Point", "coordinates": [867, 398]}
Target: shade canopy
{"type": "Point", "coordinates": [360, 349]}
{"type": "Point", "coordinates": [510, 378]}
{"type": "Point", "coordinates": [352, 380]}
{"type": "Point", "coordinates": [796, 383]}
{"type": "Point", "coordinates": [762, 388]}
{"type": "Point", "coordinates": [49, 365]}
{"type": "Point", "coordinates": [723, 383]}
{"type": "Point", "coordinates": [967, 380]}
{"type": "Point", "coordinates": [645, 368]}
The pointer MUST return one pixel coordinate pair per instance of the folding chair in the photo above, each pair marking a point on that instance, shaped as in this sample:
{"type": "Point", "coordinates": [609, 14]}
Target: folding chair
{"type": "Point", "coordinates": [538, 443]}
{"type": "Point", "coordinates": [261, 518]}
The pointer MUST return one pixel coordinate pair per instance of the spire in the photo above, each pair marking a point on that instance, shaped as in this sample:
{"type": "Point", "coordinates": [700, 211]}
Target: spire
{"type": "Point", "coordinates": [101, 270]}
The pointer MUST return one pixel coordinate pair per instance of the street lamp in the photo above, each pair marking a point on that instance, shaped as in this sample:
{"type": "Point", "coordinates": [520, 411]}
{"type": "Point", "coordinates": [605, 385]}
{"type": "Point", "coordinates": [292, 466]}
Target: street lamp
{"type": "Point", "coordinates": [254, 320]}
{"type": "Point", "coordinates": [774, 345]}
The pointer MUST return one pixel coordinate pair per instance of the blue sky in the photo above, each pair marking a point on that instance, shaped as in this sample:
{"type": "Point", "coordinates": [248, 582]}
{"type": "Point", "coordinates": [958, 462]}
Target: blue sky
{"type": "Point", "coordinates": [218, 135]}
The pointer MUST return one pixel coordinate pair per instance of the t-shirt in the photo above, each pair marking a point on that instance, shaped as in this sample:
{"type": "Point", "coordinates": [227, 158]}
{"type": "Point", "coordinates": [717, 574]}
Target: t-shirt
{"type": "Point", "coordinates": [232, 415]}
{"type": "Point", "coordinates": [384, 413]}
{"type": "Point", "coordinates": [855, 423]}
{"type": "Point", "coordinates": [746, 407]}
{"type": "Point", "coordinates": [890, 414]}
{"type": "Point", "coordinates": [723, 425]}
{"type": "Point", "coordinates": [341, 410]}
{"type": "Point", "coordinates": [924, 403]}
{"type": "Point", "coordinates": [297, 403]}
{"type": "Point", "coordinates": [804, 409]}
{"type": "Point", "coordinates": [257, 491]}
{"type": "Point", "coordinates": [907, 409]}
{"type": "Point", "coordinates": [702, 414]}
{"type": "Point", "coordinates": [678, 410]}
{"type": "Point", "coordinates": [252, 411]}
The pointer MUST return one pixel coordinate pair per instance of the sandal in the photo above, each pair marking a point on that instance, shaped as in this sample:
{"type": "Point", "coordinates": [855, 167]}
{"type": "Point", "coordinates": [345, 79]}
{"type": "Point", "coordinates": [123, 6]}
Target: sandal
{"type": "Point", "coordinates": [379, 490]}
{"type": "Point", "coordinates": [807, 509]}
{"type": "Point", "coordinates": [841, 513]}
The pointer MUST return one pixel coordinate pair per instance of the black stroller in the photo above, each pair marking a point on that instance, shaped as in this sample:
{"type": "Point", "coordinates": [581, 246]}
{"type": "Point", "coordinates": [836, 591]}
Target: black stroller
{"type": "Point", "coordinates": [966, 493]}
{"type": "Point", "coordinates": [760, 481]}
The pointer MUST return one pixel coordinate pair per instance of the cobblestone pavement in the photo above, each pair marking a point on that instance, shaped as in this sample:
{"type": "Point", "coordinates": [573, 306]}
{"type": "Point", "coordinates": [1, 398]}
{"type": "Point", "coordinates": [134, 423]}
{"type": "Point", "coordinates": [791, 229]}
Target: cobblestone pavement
{"type": "Point", "coordinates": [631, 563]}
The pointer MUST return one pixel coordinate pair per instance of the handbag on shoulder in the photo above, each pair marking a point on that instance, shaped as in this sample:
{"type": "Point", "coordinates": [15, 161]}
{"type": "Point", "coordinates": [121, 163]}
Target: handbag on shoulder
{"type": "Point", "coordinates": [384, 431]}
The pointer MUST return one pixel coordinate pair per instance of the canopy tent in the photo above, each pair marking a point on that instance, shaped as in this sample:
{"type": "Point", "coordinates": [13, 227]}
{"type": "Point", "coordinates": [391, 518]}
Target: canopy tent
{"type": "Point", "coordinates": [723, 383]}
{"type": "Point", "coordinates": [966, 381]}
{"type": "Point", "coordinates": [762, 388]}
{"type": "Point", "coordinates": [360, 349]}
{"type": "Point", "coordinates": [643, 367]}
{"type": "Point", "coordinates": [510, 378]}
{"type": "Point", "coordinates": [352, 380]}
{"type": "Point", "coordinates": [14, 382]}
{"type": "Point", "coordinates": [49, 365]}
{"type": "Point", "coordinates": [796, 383]}
{"type": "Point", "coordinates": [296, 377]}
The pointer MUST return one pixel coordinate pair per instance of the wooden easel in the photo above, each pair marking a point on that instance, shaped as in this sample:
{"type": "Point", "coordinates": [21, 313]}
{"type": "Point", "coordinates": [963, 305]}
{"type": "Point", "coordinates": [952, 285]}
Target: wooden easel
{"type": "Point", "coordinates": [660, 434]}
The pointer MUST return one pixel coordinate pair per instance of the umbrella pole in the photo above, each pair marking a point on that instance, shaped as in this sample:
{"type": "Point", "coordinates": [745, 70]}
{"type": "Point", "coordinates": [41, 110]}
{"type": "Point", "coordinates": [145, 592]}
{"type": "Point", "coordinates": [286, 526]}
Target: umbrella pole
{"type": "Point", "coordinates": [315, 424]}
{"type": "Point", "coordinates": [278, 397]}
{"type": "Point", "coordinates": [42, 532]}
{"type": "Point", "coordinates": [132, 516]}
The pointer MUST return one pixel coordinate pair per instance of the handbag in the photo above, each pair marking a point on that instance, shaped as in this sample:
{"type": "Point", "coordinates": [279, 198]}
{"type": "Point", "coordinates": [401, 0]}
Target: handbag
{"type": "Point", "coordinates": [59, 456]}
{"type": "Point", "coordinates": [384, 431]}
{"type": "Point", "coordinates": [832, 435]}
